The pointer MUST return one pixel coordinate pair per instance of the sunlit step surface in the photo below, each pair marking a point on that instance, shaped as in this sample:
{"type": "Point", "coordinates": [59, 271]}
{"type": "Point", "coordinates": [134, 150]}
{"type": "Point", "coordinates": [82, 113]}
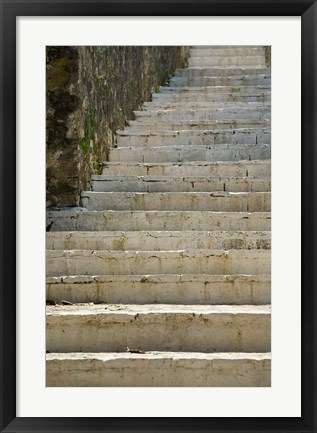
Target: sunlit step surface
{"type": "Point", "coordinates": [181, 328]}
{"type": "Point", "coordinates": [157, 369]}
{"type": "Point", "coordinates": [189, 289]}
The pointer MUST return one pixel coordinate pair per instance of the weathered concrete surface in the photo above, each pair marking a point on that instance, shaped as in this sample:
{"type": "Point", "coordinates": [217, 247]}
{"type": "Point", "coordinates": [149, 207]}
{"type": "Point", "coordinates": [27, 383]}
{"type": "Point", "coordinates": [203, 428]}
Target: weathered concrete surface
{"type": "Point", "coordinates": [252, 95]}
{"type": "Point", "coordinates": [157, 240]}
{"type": "Point", "coordinates": [209, 114]}
{"type": "Point", "coordinates": [177, 125]}
{"type": "Point", "coordinates": [187, 201]}
{"type": "Point", "coordinates": [158, 369]}
{"type": "Point", "coordinates": [100, 262]}
{"type": "Point", "coordinates": [231, 60]}
{"type": "Point", "coordinates": [233, 81]}
{"type": "Point", "coordinates": [214, 89]}
{"type": "Point", "coordinates": [158, 220]}
{"type": "Point", "coordinates": [219, 71]}
{"type": "Point", "coordinates": [166, 104]}
{"type": "Point", "coordinates": [205, 51]}
{"type": "Point", "coordinates": [142, 137]}
{"type": "Point", "coordinates": [104, 183]}
{"type": "Point", "coordinates": [212, 152]}
{"type": "Point", "coordinates": [161, 289]}
{"type": "Point", "coordinates": [189, 168]}
{"type": "Point", "coordinates": [177, 328]}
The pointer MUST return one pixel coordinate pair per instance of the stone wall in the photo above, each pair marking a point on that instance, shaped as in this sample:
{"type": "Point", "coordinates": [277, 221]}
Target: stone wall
{"type": "Point", "coordinates": [92, 92]}
{"type": "Point", "coordinates": [268, 56]}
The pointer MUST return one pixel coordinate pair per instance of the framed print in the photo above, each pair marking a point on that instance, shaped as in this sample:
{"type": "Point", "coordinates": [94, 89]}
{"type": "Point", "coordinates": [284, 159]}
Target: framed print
{"type": "Point", "coordinates": [157, 121]}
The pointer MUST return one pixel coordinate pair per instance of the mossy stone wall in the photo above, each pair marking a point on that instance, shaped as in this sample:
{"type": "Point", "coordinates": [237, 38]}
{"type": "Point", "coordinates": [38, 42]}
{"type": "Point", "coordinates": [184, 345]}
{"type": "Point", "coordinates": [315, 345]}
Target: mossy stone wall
{"type": "Point", "coordinates": [92, 92]}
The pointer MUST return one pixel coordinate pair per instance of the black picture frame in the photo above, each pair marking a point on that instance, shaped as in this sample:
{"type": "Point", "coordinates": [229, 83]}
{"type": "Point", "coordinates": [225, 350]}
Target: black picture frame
{"type": "Point", "coordinates": [10, 9]}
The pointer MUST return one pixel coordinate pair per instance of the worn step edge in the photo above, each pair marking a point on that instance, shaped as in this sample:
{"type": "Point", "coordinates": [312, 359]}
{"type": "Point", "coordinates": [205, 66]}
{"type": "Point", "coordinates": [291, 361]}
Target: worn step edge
{"type": "Point", "coordinates": [178, 124]}
{"type": "Point", "coordinates": [165, 103]}
{"type": "Point", "coordinates": [191, 132]}
{"type": "Point", "coordinates": [222, 71]}
{"type": "Point", "coordinates": [229, 57]}
{"type": "Point", "coordinates": [264, 89]}
{"type": "Point", "coordinates": [169, 169]}
{"type": "Point", "coordinates": [161, 288]}
{"type": "Point", "coordinates": [191, 153]}
{"type": "Point", "coordinates": [159, 369]}
{"type": "Point", "coordinates": [153, 240]}
{"type": "Point", "coordinates": [207, 98]}
{"type": "Point", "coordinates": [227, 51]}
{"type": "Point", "coordinates": [103, 183]}
{"type": "Point", "coordinates": [234, 136]}
{"type": "Point", "coordinates": [233, 81]}
{"type": "Point", "coordinates": [213, 201]}
{"type": "Point", "coordinates": [92, 262]}
{"type": "Point", "coordinates": [188, 178]}
{"type": "Point", "coordinates": [230, 77]}
{"type": "Point", "coordinates": [227, 61]}
{"type": "Point", "coordinates": [124, 312]}
{"type": "Point", "coordinates": [63, 220]}
{"type": "Point", "coordinates": [209, 113]}
{"type": "Point", "coordinates": [211, 108]}
{"type": "Point", "coordinates": [198, 328]}
{"type": "Point", "coordinates": [154, 106]}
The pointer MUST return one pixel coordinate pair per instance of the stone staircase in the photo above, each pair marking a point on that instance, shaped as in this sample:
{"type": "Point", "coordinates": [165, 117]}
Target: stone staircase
{"type": "Point", "coordinates": [163, 278]}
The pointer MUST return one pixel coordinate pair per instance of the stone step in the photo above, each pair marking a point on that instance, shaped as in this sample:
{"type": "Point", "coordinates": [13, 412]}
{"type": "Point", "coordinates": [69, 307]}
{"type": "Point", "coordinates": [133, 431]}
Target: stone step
{"type": "Point", "coordinates": [204, 97]}
{"type": "Point", "coordinates": [208, 114]}
{"type": "Point", "coordinates": [227, 61]}
{"type": "Point", "coordinates": [218, 51]}
{"type": "Point", "coordinates": [216, 90]}
{"type": "Point", "coordinates": [212, 153]}
{"type": "Point", "coordinates": [187, 201]}
{"type": "Point", "coordinates": [157, 369]}
{"type": "Point", "coordinates": [68, 220]}
{"type": "Point", "coordinates": [166, 104]}
{"type": "Point", "coordinates": [226, 46]}
{"type": "Point", "coordinates": [169, 125]}
{"type": "Point", "coordinates": [232, 81]}
{"type": "Point", "coordinates": [221, 71]}
{"type": "Point", "coordinates": [181, 328]}
{"type": "Point", "coordinates": [188, 289]}
{"type": "Point", "coordinates": [158, 240]}
{"type": "Point", "coordinates": [113, 262]}
{"type": "Point", "coordinates": [261, 169]}
{"type": "Point", "coordinates": [143, 137]}
{"type": "Point", "coordinates": [102, 183]}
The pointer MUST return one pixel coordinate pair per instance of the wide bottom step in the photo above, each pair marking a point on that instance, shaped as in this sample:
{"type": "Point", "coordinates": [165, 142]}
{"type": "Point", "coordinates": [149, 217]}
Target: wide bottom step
{"type": "Point", "coordinates": [159, 369]}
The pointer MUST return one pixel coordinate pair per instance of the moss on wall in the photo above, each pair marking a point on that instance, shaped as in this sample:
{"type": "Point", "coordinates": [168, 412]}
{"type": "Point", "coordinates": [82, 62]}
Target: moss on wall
{"type": "Point", "coordinates": [268, 56]}
{"type": "Point", "coordinates": [92, 92]}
